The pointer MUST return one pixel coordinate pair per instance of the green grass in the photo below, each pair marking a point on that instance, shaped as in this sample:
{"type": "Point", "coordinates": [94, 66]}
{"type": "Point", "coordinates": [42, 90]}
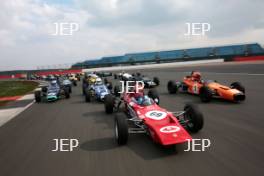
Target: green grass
{"type": "Point", "coordinates": [16, 88]}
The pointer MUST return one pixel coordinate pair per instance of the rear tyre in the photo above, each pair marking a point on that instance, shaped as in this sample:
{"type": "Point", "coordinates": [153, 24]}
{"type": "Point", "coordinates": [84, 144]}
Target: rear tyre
{"type": "Point", "coordinates": [121, 129]}
{"type": "Point", "coordinates": [194, 118]}
{"type": "Point", "coordinates": [156, 81]}
{"type": "Point", "coordinates": [238, 86]}
{"type": "Point", "coordinates": [38, 96]}
{"type": "Point", "coordinates": [109, 104]}
{"type": "Point", "coordinates": [115, 76]}
{"type": "Point", "coordinates": [205, 94]}
{"type": "Point", "coordinates": [172, 87]}
{"type": "Point", "coordinates": [153, 93]}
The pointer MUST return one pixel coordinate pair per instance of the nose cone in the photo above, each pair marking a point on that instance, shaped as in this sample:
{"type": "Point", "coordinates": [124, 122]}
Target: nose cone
{"type": "Point", "coordinates": [173, 136]}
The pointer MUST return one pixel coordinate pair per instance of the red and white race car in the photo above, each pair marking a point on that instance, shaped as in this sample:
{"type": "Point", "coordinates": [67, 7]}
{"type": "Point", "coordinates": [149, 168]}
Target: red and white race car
{"type": "Point", "coordinates": [142, 114]}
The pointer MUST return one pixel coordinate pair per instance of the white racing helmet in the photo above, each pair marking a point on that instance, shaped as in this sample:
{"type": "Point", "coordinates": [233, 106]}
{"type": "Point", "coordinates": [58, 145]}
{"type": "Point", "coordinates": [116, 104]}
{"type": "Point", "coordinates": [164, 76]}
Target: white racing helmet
{"type": "Point", "coordinates": [98, 81]}
{"type": "Point", "coordinates": [53, 82]}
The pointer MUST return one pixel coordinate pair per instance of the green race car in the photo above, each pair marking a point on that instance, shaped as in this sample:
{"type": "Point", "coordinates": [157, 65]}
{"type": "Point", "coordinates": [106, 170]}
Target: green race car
{"type": "Point", "coordinates": [52, 92]}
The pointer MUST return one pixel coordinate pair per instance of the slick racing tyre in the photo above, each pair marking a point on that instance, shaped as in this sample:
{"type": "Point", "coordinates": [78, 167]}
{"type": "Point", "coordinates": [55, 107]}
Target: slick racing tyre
{"type": "Point", "coordinates": [109, 104]}
{"type": "Point", "coordinates": [75, 83]}
{"type": "Point", "coordinates": [193, 117]}
{"type": "Point", "coordinates": [38, 96]}
{"type": "Point", "coordinates": [172, 87]}
{"type": "Point", "coordinates": [156, 80]}
{"type": "Point", "coordinates": [154, 95]}
{"type": "Point", "coordinates": [87, 95]}
{"type": "Point", "coordinates": [44, 89]}
{"type": "Point", "coordinates": [238, 86]}
{"type": "Point", "coordinates": [205, 94]}
{"type": "Point", "coordinates": [121, 129]}
{"type": "Point", "coordinates": [67, 93]}
{"type": "Point", "coordinates": [84, 85]}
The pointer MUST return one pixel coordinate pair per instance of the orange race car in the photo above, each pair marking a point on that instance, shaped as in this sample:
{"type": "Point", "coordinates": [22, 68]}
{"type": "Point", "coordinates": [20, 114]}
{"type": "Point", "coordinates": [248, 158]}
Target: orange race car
{"type": "Point", "coordinates": [207, 89]}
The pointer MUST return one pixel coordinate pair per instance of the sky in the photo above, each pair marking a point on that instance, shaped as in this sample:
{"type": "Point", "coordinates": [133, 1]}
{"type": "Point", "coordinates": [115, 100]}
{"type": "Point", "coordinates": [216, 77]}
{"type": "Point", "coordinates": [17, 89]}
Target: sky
{"type": "Point", "coordinates": [115, 27]}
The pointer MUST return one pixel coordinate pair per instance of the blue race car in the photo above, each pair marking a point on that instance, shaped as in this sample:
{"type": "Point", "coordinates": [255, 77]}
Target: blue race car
{"type": "Point", "coordinates": [65, 82]}
{"type": "Point", "coordinates": [52, 92]}
{"type": "Point", "coordinates": [98, 90]}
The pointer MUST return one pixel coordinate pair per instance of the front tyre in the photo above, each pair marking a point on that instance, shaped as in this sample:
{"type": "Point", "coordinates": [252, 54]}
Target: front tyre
{"type": "Point", "coordinates": [67, 93]}
{"type": "Point", "coordinates": [193, 117]}
{"type": "Point", "coordinates": [109, 104]}
{"type": "Point", "coordinates": [121, 129]}
{"type": "Point", "coordinates": [238, 86]}
{"type": "Point", "coordinates": [87, 95]}
{"type": "Point", "coordinates": [172, 87]}
{"type": "Point", "coordinates": [75, 83]}
{"type": "Point", "coordinates": [38, 96]}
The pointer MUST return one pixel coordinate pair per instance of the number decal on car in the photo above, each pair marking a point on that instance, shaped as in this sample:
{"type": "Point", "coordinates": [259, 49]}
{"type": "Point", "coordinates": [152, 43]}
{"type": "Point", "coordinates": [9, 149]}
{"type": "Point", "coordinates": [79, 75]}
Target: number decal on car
{"type": "Point", "coordinates": [195, 88]}
{"type": "Point", "coordinates": [156, 115]}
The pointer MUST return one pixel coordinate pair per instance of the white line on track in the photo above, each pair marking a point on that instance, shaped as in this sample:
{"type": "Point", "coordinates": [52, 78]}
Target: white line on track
{"type": "Point", "coordinates": [8, 114]}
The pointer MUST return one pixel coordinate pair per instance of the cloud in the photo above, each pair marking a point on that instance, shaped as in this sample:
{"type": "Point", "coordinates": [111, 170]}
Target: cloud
{"type": "Point", "coordinates": [115, 27]}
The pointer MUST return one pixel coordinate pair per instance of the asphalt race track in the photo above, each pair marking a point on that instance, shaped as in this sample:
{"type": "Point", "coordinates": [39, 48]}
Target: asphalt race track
{"type": "Point", "coordinates": [235, 130]}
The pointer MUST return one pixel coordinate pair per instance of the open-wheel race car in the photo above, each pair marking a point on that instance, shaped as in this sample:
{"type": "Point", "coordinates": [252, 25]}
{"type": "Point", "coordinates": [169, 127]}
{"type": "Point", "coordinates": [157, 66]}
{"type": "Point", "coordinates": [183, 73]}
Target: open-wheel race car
{"type": "Point", "coordinates": [104, 74]}
{"type": "Point", "coordinates": [123, 76]}
{"type": "Point", "coordinates": [97, 90]}
{"type": "Point", "coordinates": [65, 82]}
{"type": "Point", "coordinates": [207, 89]}
{"type": "Point", "coordinates": [148, 82]}
{"type": "Point", "coordinates": [142, 114]}
{"type": "Point", "coordinates": [52, 92]}
{"type": "Point", "coordinates": [89, 78]}
{"type": "Point", "coordinates": [73, 78]}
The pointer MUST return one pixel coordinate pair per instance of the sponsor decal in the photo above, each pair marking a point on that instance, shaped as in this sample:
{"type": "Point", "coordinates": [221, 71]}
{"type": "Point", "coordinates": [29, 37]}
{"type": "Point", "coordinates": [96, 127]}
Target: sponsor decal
{"type": "Point", "coordinates": [169, 129]}
{"type": "Point", "coordinates": [195, 88]}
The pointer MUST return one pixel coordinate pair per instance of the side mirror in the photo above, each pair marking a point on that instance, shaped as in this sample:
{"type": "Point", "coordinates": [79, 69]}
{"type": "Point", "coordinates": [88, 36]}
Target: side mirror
{"type": "Point", "coordinates": [156, 100]}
